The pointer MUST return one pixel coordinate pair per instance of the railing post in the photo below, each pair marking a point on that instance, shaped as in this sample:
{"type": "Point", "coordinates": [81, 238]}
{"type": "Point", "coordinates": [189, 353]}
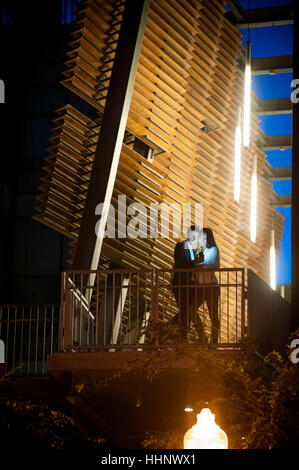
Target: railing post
{"type": "Point", "coordinates": [61, 313]}
{"type": "Point", "coordinates": [155, 297]}
{"type": "Point", "coordinates": [65, 322]}
{"type": "Point", "coordinates": [243, 305]}
{"type": "Point", "coordinates": [154, 294]}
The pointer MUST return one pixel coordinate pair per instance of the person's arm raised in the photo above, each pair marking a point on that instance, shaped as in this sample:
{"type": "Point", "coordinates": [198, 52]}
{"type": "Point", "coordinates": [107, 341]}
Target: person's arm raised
{"type": "Point", "coordinates": [198, 260]}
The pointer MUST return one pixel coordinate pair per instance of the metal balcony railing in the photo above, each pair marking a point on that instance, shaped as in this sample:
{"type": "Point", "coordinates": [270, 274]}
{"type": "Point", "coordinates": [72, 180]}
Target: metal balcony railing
{"type": "Point", "coordinates": [29, 333]}
{"type": "Point", "coordinates": [109, 309]}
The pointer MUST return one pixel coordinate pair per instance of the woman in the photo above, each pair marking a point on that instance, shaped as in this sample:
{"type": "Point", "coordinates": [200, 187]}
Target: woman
{"type": "Point", "coordinates": [209, 293]}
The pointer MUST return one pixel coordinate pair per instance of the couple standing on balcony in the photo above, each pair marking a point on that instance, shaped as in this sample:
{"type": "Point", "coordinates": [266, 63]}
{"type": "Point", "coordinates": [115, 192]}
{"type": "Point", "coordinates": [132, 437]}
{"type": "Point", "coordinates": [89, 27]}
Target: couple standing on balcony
{"type": "Point", "coordinates": [199, 250]}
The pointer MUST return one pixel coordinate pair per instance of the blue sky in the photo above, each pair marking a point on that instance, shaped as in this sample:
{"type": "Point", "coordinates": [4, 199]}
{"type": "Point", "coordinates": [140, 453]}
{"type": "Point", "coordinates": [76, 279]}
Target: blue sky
{"type": "Point", "coordinates": [269, 42]}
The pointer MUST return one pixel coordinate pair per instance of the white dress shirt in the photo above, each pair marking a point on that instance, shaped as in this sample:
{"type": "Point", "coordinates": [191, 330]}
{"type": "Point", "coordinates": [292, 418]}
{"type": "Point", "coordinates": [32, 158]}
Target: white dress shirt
{"type": "Point", "coordinates": [188, 246]}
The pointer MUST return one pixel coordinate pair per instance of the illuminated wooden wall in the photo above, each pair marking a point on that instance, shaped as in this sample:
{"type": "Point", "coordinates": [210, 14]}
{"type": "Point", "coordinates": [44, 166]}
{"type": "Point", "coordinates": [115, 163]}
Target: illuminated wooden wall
{"type": "Point", "coordinates": [186, 95]}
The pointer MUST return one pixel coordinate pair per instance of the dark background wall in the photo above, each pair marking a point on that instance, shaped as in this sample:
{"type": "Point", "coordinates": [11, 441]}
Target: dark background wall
{"type": "Point", "coordinates": [34, 38]}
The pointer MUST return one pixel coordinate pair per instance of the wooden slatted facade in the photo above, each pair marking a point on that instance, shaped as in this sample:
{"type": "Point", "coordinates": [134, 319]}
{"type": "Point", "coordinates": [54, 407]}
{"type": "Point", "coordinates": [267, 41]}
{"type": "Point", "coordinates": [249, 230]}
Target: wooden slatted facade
{"type": "Point", "coordinates": [185, 101]}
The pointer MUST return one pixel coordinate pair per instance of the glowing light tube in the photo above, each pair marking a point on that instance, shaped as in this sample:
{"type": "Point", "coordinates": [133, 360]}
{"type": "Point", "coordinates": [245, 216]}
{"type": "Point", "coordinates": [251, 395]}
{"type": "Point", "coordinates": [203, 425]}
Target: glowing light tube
{"type": "Point", "coordinates": [247, 96]}
{"type": "Point", "coordinates": [237, 158]}
{"type": "Point", "coordinates": [272, 261]}
{"type": "Point", "coordinates": [253, 206]}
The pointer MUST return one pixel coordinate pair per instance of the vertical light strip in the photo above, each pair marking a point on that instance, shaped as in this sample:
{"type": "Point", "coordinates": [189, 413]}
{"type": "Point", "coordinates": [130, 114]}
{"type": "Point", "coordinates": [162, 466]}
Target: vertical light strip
{"type": "Point", "coordinates": [253, 207]}
{"type": "Point", "coordinates": [272, 261]}
{"type": "Point", "coordinates": [247, 96]}
{"type": "Point", "coordinates": [237, 157]}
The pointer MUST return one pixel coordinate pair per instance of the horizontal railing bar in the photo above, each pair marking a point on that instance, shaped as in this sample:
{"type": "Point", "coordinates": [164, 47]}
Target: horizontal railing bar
{"type": "Point", "coordinates": [105, 346]}
{"type": "Point", "coordinates": [28, 305]}
{"type": "Point", "coordinates": [195, 285]}
{"type": "Point", "coordinates": [143, 347]}
{"type": "Point", "coordinates": [202, 286]}
{"type": "Point", "coordinates": [32, 320]}
{"type": "Point", "coordinates": [198, 268]}
{"type": "Point", "coordinates": [107, 271]}
{"type": "Point", "coordinates": [139, 271]}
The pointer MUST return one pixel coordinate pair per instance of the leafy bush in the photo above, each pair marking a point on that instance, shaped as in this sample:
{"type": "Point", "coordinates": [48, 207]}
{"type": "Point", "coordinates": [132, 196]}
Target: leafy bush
{"type": "Point", "coordinates": [257, 398]}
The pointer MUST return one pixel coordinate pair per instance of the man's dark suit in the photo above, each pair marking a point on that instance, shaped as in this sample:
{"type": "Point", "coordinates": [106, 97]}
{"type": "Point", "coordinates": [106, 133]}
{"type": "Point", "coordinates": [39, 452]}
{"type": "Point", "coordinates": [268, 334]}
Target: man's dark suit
{"type": "Point", "coordinates": [182, 255]}
{"type": "Point", "coordinates": [189, 296]}
{"type": "Point", "coordinates": [182, 288]}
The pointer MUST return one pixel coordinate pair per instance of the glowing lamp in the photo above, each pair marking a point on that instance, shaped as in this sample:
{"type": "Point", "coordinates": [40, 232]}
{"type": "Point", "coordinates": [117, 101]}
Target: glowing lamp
{"type": "Point", "coordinates": [237, 158]}
{"type": "Point", "coordinates": [205, 434]}
{"type": "Point", "coordinates": [272, 261]}
{"type": "Point", "coordinates": [253, 205]}
{"type": "Point", "coordinates": [247, 96]}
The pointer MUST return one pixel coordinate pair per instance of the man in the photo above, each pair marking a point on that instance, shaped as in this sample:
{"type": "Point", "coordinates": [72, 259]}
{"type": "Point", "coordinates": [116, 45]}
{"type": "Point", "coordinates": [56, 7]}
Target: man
{"type": "Point", "coordinates": [186, 256]}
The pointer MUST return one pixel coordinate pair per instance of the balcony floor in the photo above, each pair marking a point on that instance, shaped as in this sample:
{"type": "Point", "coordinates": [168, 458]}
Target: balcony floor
{"type": "Point", "coordinates": [113, 409]}
{"type": "Point", "coordinates": [97, 363]}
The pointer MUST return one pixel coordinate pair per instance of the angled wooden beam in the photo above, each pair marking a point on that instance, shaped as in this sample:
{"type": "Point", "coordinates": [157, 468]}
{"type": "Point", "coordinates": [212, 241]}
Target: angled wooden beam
{"type": "Point", "coordinates": [237, 10]}
{"type": "Point", "coordinates": [272, 65]}
{"type": "Point", "coordinates": [108, 149]}
{"type": "Point", "coordinates": [279, 173]}
{"type": "Point", "coordinates": [275, 142]}
{"type": "Point", "coordinates": [282, 201]}
{"type": "Point", "coordinates": [273, 106]}
{"type": "Point", "coordinates": [272, 16]}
